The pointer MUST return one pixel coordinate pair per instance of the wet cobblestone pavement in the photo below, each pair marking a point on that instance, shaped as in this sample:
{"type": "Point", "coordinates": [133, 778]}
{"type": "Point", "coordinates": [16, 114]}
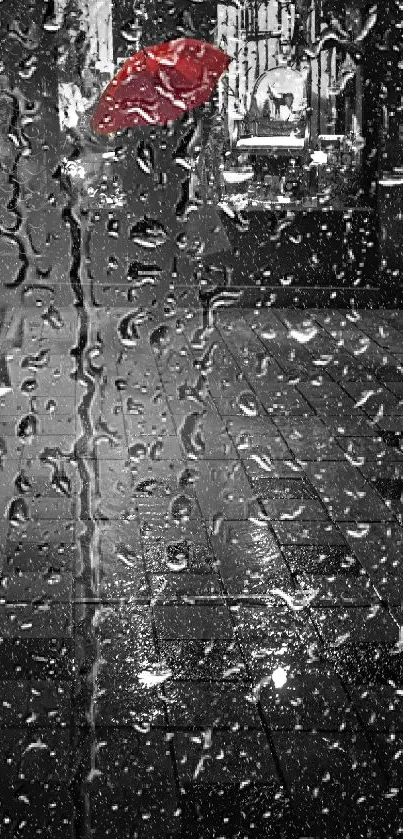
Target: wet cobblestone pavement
{"type": "Point", "coordinates": [201, 547]}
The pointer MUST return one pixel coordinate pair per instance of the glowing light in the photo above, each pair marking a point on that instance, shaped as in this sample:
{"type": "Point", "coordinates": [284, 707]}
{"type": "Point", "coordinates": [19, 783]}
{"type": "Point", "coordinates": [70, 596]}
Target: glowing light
{"type": "Point", "coordinates": [279, 677]}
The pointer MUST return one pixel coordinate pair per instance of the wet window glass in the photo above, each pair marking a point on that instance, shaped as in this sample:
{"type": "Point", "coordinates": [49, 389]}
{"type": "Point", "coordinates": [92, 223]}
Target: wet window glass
{"type": "Point", "coordinates": [201, 418]}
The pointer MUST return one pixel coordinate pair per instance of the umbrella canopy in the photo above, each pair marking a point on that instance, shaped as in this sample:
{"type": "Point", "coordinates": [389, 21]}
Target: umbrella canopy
{"type": "Point", "coordinates": [159, 84]}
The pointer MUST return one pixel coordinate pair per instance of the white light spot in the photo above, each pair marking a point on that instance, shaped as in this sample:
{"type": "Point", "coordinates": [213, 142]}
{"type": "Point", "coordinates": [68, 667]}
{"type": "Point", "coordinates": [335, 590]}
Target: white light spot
{"type": "Point", "coordinates": [279, 677]}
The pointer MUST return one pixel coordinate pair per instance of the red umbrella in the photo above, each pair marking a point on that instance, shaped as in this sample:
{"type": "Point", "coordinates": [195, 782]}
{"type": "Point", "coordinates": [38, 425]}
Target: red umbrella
{"type": "Point", "coordinates": [159, 84]}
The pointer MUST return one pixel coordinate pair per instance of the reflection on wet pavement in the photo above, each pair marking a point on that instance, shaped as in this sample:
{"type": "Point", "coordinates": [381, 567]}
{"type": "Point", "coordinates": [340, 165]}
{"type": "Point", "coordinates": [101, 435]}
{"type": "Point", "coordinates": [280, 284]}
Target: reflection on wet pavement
{"type": "Point", "coordinates": [201, 594]}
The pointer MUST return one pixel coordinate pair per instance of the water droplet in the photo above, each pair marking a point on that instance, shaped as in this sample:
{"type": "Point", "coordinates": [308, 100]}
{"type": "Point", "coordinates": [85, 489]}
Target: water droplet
{"type": "Point", "coordinates": [145, 157]}
{"type": "Point", "coordinates": [51, 406]}
{"type": "Point", "coordinates": [191, 436]}
{"type": "Point", "coordinates": [147, 486]}
{"type": "Point", "coordinates": [217, 523]}
{"type": "Point", "coordinates": [187, 477]}
{"type": "Point", "coordinates": [156, 450]}
{"type": "Point", "coordinates": [160, 336]}
{"type": "Point", "coordinates": [18, 512]}
{"type": "Point", "coordinates": [5, 381]}
{"type": "Point", "coordinates": [22, 483]}
{"type": "Point", "coordinates": [138, 451]}
{"type": "Point", "coordinates": [248, 404]}
{"type": "Point", "coordinates": [53, 317]}
{"type": "Point", "coordinates": [137, 270]}
{"type": "Point", "coordinates": [304, 334]}
{"type": "Point", "coordinates": [128, 331]}
{"type": "Point", "coordinates": [62, 483]}
{"type": "Point", "coordinates": [155, 675]}
{"type": "Point", "coordinates": [29, 385]}
{"type": "Point", "coordinates": [177, 556]}
{"type": "Point", "coordinates": [181, 508]}
{"type": "Point", "coordinates": [148, 233]}
{"type": "Point", "coordinates": [299, 600]}
{"type": "Point", "coordinates": [126, 556]}
{"type": "Point", "coordinates": [3, 448]}
{"type": "Point", "coordinates": [27, 427]}
{"type": "Point", "coordinates": [36, 362]}
{"type": "Point", "coordinates": [134, 407]}
{"type": "Point", "coordinates": [121, 384]}
{"type": "Point", "coordinates": [113, 228]}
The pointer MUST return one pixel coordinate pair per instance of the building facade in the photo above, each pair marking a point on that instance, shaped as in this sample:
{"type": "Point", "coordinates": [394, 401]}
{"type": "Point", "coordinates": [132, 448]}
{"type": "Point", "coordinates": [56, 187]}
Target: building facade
{"type": "Point", "coordinates": [293, 101]}
{"type": "Point", "coordinates": [306, 126]}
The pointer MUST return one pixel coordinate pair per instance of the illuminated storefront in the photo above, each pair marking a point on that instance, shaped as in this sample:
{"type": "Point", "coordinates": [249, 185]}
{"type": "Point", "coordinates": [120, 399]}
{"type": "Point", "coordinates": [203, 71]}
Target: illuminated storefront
{"type": "Point", "coordinates": [292, 102]}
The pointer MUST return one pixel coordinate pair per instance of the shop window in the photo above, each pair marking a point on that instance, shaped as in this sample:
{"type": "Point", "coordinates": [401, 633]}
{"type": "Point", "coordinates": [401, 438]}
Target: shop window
{"type": "Point", "coordinates": [291, 106]}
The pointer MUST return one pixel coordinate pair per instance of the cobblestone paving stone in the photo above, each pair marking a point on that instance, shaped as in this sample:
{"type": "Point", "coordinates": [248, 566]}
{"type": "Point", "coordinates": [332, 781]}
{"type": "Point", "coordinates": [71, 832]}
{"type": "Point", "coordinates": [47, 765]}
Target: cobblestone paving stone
{"type": "Point", "coordinates": [201, 625]}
